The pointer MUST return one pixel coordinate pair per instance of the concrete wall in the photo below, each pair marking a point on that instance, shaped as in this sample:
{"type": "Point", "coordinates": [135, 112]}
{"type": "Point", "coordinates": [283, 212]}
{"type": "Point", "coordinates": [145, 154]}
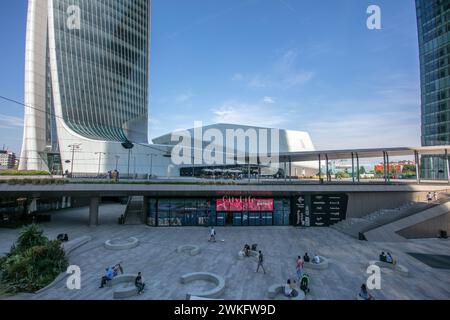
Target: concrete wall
{"type": "Point", "coordinates": [427, 229]}
{"type": "Point", "coordinates": [364, 203]}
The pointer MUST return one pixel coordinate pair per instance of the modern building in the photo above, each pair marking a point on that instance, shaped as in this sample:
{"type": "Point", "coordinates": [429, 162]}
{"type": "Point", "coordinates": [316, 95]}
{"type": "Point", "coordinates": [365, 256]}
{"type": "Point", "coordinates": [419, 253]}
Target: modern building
{"type": "Point", "coordinates": [229, 140]}
{"type": "Point", "coordinates": [433, 20]}
{"type": "Point", "coordinates": [7, 159]}
{"type": "Point", "coordinates": [86, 87]}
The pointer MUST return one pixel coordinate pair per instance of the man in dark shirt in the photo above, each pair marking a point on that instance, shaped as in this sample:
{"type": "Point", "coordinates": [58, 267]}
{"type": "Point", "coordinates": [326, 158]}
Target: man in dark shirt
{"type": "Point", "coordinates": [260, 262]}
{"type": "Point", "coordinates": [306, 257]}
{"type": "Point", "coordinates": [139, 283]}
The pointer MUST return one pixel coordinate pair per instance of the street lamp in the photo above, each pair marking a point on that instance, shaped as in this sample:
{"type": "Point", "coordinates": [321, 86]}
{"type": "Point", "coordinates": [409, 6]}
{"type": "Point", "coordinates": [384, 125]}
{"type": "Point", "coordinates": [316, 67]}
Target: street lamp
{"type": "Point", "coordinates": [117, 161]}
{"type": "Point", "coordinates": [99, 161]}
{"type": "Point", "coordinates": [75, 146]}
{"type": "Point", "coordinates": [151, 155]}
{"type": "Point", "coordinates": [128, 145]}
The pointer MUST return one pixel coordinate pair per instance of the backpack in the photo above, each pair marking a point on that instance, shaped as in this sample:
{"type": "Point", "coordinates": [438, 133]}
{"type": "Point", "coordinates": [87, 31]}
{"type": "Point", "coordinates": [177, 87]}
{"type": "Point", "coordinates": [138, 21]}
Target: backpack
{"type": "Point", "coordinates": [304, 282]}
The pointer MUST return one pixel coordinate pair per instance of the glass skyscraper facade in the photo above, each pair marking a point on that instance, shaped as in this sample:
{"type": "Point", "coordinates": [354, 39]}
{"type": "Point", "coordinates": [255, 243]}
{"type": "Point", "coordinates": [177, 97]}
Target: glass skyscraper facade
{"type": "Point", "coordinates": [102, 67]}
{"type": "Point", "coordinates": [86, 77]}
{"type": "Point", "coordinates": [433, 20]}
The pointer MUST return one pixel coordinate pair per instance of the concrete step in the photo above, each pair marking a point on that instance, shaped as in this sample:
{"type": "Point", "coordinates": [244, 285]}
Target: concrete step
{"type": "Point", "coordinates": [134, 211]}
{"type": "Point", "coordinates": [388, 232]}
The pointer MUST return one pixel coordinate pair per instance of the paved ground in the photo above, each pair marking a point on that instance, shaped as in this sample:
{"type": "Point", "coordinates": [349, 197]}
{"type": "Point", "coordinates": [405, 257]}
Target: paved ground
{"type": "Point", "coordinates": [156, 257]}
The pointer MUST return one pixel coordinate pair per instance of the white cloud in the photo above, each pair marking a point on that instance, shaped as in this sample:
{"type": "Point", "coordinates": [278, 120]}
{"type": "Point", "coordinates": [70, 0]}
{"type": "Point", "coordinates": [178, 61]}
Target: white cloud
{"type": "Point", "coordinates": [269, 100]}
{"type": "Point", "coordinates": [10, 121]}
{"type": "Point", "coordinates": [283, 74]}
{"type": "Point", "coordinates": [235, 112]}
{"type": "Point", "coordinates": [369, 130]}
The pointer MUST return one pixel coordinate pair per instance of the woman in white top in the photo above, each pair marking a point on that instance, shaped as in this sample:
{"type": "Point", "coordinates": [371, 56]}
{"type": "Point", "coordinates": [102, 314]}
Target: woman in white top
{"type": "Point", "coordinates": [316, 259]}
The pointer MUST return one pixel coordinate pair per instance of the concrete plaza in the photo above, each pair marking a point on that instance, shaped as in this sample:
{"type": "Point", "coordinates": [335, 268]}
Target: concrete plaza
{"type": "Point", "coordinates": [162, 267]}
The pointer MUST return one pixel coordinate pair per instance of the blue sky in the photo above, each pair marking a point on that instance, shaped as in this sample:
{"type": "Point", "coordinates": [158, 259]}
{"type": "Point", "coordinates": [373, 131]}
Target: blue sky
{"type": "Point", "coordinates": [295, 64]}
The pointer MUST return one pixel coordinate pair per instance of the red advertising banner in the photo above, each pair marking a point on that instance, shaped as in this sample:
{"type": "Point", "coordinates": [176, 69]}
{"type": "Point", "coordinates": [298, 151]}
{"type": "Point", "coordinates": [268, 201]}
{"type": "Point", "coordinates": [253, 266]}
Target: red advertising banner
{"type": "Point", "coordinates": [244, 204]}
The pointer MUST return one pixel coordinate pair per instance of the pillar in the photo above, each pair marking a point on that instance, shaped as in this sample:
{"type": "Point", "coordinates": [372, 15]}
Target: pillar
{"type": "Point", "coordinates": [93, 211]}
{"type": "Point", "coordinates": [384, 167]}
{"type": "Point", "coordinates": [447, 162]}
{"type": "Point", "coordinates": [353, 167]}
{"type": "Point", "coordinates": [417, 160]}
{"type": "Point", "coordinates": [389, 173]}
{"type": "Point", "coordinates": [145, 210]}
{"type": "Point", "coordinates": [357, 168]}
{"type": "Point", "coordinates": [320, 169]}
{"type": "Point", "coordinates": [290, 169]}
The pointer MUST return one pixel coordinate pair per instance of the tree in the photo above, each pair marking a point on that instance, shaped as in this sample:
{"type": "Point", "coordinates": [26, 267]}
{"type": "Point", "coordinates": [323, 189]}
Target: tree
{"type": "Point", "coordinates": [362, 170]}
{"type": "Point", "coordinates": [342, 175]}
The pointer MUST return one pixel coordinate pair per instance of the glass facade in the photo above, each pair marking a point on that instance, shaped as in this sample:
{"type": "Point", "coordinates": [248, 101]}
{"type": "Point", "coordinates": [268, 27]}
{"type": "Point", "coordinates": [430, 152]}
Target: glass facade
{"type": "Point", "coordinates": [203, 212]}
{"type": "Point", "coordinates": [433, 20]}
{"type": "Point", "coordinates": [103, 68]}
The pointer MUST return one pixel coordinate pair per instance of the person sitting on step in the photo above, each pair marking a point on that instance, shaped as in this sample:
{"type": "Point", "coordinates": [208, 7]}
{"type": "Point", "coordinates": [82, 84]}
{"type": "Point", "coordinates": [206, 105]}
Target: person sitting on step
{"type": "Point", "coordinates": [247, 250]}
{"type": "Point", "coordinates": [316, 259]}
{"type": "Point", "coordinates": [364, 293]}
{"type": "Point", "coordinates": [289, 290]}
{"type": "Point", "coordinates": [306, 257]}
{"type": "Point", "coordinates": [109, 275]}
{"type": "Point", "coordinates": [389, 259]}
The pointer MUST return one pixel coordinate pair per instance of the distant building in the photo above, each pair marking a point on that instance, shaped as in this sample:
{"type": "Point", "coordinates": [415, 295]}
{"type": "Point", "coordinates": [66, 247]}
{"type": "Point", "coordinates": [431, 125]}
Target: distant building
{"type": "Point", "coordinates": [433, 18]}
{"type": "Point", "coordinates": [7, 160]}
{"type": "Point", "coordinates": [394, 167]}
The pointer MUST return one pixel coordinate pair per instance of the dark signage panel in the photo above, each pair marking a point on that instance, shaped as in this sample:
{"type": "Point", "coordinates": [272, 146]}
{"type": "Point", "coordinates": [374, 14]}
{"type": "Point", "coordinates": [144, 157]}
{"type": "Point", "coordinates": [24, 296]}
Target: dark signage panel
{"type": "Point", "coordinates": [319, 210]}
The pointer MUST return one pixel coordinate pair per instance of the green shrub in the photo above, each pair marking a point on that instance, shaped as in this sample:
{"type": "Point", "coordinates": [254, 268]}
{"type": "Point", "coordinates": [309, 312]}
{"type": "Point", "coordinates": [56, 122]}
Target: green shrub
{"type": "Point", "coordinates": [33, 264]}
{"type": "Point", "coordinates": [31, 236]}
{"type": "Point", "coordinates": [23, 173]}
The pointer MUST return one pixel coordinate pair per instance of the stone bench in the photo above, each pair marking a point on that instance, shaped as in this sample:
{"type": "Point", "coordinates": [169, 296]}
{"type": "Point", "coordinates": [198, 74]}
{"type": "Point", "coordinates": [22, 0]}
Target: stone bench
{"type": "Point", "coordinates": [278, 289]}
{"type": "Point", "coordinates": [189, 297]}
{"type": "Point", "coordinates": [118, 244]}
{"type": "Point", "coordinates": [213, 293]}
{"type": "Point", "coordinates": [120, 279]}
{"type": "Point", "coordinates": [193, 250]}
{"type": "Point", "coordinates": [241, 254]}
{"type": "Point", "coordinates": [126, 290]}
{"type": "Point", "coordinates": [396, 267]}
{"type": "Point", "coordinates": [125, 286]}
{"type": "Point", "coordinates": [74, 244]}
{"type": "Point", "coordinates": [317, 266]}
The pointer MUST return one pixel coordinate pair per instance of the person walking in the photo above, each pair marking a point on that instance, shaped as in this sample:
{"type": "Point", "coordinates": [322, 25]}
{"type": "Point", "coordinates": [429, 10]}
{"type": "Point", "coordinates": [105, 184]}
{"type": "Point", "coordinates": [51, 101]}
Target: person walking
{"type": "Point", "coordinates": [429, 197]}
{"type": "Point", "coordinates": [260, 262]}
{"type": "Point", "coordinates": [299, 267]}
{"type": "Point", "coordinates": [212, 235]}
{"type": "Point", "coordinates": [139, 283]}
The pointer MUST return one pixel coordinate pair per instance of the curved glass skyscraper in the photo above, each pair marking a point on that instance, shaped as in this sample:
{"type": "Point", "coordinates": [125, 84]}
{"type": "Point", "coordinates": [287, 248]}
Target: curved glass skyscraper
{"type": "Point", "coordinates": [433, 20]}
{"type": "Point", "coordinates": [86, 81]}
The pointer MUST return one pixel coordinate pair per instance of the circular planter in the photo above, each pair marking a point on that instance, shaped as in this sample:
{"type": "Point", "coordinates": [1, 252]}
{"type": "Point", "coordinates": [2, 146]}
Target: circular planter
{"type": "Point", "coordinates": [119, 244]}
{"type": "Point", "coordinates": [193, 250]}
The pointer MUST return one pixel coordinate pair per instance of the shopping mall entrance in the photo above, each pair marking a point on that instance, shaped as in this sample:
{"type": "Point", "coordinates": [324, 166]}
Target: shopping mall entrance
{"type": "Point", "coordinates": [307, 210]}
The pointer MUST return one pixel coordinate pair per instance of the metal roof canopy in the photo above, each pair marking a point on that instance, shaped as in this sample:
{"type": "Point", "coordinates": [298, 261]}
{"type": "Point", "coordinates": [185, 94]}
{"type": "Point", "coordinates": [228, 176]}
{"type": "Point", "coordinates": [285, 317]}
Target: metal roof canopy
{"type": "Point", "coordinates": [360, 153]}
